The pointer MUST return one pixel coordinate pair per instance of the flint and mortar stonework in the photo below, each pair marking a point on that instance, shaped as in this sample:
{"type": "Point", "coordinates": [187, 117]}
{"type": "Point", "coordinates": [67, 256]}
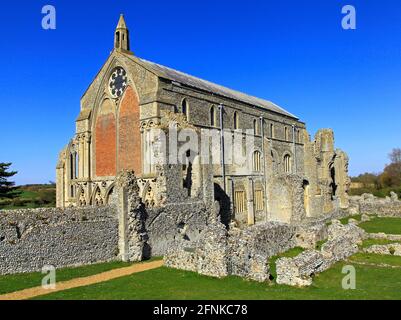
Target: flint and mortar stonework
{"type": "Point", "coordinates": [31, 239]}
{"type": "Point", "coordinates": [368, 204]}
{"type": "Point", "coordinates": [343, 241]}
{"type": "Point", "coordinates": [245, 253]}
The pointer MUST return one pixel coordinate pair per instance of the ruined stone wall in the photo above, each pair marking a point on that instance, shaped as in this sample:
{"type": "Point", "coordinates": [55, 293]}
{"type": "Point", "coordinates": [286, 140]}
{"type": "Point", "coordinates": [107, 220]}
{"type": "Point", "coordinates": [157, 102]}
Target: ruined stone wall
{"type": "Point", "coordinates": [249, 250]}
{"type": "Point", "coordinates": [149, 231]}
{"type": "Point", "coordinates": [369, 204]}
{"type": "Point", "coordinates": [326, 175]}
{"type": "Point", "coordinates": [33, 238]}
{"type": "Point", "coordinates": [343, 241]}
{"type": "Point", "coordinates": [243, 253]}
{"type": "Point", "coordinates": [183, 220]}
{"type": "Point", "coordinates": [287, 199]}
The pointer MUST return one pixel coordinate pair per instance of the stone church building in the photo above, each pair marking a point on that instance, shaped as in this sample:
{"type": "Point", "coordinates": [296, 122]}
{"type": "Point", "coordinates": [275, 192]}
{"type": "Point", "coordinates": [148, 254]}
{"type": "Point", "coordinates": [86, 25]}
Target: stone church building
{"type": "Point", "coordinates": [289, 176]}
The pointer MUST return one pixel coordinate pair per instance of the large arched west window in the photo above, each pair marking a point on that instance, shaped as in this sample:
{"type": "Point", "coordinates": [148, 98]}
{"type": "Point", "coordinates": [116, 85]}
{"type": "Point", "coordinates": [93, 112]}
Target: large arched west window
{"type": "Point", "coordinates": [212, 116]}
{"type": "Point", "coordinates": [287, 163]}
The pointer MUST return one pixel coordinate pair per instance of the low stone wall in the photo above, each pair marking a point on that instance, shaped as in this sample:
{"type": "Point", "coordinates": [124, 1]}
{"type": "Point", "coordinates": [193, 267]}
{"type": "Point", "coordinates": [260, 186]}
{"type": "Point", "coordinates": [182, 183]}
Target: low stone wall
{"type": "Point", "coordinates": [31, 239]}
{"type": "Point", "coordinates": [384, 236]}
{"type": "Point", "coordinates": [207, 255]}
{"type": "Point", "coordinates": [250, 249]}
{"type": "Point", "coordinates": [243, 253]}
{"type": "Point", "coordinates": [309, 235]}
{"type": "Point", "coordinates": [369, 204]}
{"type": "Point", "coordinates": [393, 249]}
{"type": "Point", "coordinates": [342, 243]}
{"type": "Point", "coordinates": [298, 271]}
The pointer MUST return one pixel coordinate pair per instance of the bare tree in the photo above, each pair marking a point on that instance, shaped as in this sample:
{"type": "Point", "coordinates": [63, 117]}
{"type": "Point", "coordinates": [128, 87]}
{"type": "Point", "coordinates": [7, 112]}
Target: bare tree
{"type": "Point", "coordinates": [395, 155]}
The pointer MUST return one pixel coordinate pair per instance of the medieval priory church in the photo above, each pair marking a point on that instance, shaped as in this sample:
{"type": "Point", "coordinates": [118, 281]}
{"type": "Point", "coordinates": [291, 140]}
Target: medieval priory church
{"type": "Point", "coordinates": [289, 176]}
{"type": "Point", "coordinates": [218, 218]}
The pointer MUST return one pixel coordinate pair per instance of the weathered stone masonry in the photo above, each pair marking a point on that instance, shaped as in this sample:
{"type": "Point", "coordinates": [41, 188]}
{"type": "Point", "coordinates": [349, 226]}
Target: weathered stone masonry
{"type": "Point", "coordinates": [31, 239]}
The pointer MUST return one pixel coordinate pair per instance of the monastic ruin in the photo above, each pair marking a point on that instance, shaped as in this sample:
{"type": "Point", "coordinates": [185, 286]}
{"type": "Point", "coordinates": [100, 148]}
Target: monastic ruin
{"type": "Point", "coordinates": [124, 192]}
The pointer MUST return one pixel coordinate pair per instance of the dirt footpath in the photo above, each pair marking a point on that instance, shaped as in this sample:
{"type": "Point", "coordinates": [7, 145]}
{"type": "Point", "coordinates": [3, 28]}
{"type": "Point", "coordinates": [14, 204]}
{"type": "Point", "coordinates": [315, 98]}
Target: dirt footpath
{"type": "Point", "coordinates": [81, 282]}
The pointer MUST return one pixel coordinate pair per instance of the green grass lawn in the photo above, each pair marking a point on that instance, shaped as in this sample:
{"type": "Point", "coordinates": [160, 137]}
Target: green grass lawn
{"type": "Point", "coordinates": [386, 225]}
{"type": "Point", "coordinates": [346, 220]}
{"type": "Point", "coordinates": [11, 283]}
{"type": "Point", "coordinates": [164, 283]}
{"type": "Point", "coordinates": [370, 242]}
{"type": "Point", "coordinates": [31, 196]}
{"type": "Point", "coordinates": [377, 259]}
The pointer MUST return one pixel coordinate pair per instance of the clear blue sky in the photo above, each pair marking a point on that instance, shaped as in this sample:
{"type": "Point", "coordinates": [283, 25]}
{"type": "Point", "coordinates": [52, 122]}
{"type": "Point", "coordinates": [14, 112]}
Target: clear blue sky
{"type": "Point", "coordinates": [294, 53]}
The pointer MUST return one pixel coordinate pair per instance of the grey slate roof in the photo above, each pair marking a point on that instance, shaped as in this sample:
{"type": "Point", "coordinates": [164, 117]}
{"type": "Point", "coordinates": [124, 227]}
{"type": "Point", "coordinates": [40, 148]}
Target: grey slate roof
{"type": "Point", "coordinates": [185, 79]}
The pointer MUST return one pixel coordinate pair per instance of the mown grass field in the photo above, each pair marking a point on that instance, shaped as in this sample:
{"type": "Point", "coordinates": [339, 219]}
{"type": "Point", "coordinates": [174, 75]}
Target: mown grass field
{"type": "Point", "coordinates": [373, 282]}
{"type": "Point", "coordinates": [386, 225]}
{"type": "Point", "coordinates": [11, 283]}
{"type": "Point", "coordinates": [31, 196]}
{"type": "Point", "coordinates": [377, 277]}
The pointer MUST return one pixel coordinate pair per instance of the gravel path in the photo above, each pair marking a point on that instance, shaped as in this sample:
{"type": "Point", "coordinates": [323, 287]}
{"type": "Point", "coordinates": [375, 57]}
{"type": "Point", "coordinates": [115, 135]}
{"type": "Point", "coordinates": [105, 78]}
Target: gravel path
{"type": "Point", "coordinates": [80, 282]}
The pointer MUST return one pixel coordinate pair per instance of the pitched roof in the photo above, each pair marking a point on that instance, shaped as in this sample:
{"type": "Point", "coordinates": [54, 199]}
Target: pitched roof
{"type": "Point", "coordinates": [188, 80]}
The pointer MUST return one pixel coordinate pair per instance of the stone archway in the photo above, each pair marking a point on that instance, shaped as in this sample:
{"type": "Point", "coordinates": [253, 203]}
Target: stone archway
{"type": "Point", "coordinates": [97, 199]}
{"type": "Point", "coordinates": [306, 187]}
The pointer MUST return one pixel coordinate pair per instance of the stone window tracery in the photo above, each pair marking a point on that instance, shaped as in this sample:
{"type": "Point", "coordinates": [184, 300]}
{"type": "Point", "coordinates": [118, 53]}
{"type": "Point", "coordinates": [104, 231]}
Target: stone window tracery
{"type": "Point", "coordinates": [149, 199]}
{"type": "Point", "coordinates": [98, 198]}
{"type": "Point", "coordinates": [82, 198]}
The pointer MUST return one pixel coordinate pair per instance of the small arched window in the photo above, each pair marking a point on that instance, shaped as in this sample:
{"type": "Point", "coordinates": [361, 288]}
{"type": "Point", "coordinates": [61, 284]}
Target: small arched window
{"type": "Point", "coordinates": [256, 127]}
{"type": "Point", "coordinates": [286, 134]}
{"type": "Point", "coordinates": [185, 109]}
{"type": "Point", "coordinates": [272, 133]}
{"type": "Point", "coordinates": [236, 121]}
{"type": "Point", "coordinates": [256, 161]}
{"type": "Point", "coordinates": [118, 39]}
{"type": "Point", "coordinates": [287, 163]}
{"type": "Point", "coordinates": [212, 116]}
{"type": "Point", "coordinates": [72, 165]}
{"type": "Point", "coordinates": [76, 165]}
{"type": "Point", "coordinates": [299, 136]}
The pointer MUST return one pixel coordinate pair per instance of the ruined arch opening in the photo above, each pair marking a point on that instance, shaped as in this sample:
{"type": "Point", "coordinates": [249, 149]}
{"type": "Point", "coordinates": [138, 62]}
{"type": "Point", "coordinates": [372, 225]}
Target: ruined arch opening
{"type": "Point", "coordinates": [306, 187]}
{"type": "Point", "coordinates": [187, 169]}
{"type": "Point", "coordinates": [97, 199]}
{"type": "Point", "coordinates": [223, 200]}
{"type": "Point", "coordinates": [333, 184]}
